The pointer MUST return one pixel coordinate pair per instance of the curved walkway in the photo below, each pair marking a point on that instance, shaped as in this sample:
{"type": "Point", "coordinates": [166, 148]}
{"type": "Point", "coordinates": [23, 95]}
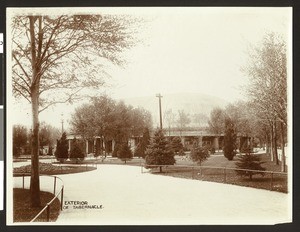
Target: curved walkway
{"type": "Point", "coordinates": [129, 197]}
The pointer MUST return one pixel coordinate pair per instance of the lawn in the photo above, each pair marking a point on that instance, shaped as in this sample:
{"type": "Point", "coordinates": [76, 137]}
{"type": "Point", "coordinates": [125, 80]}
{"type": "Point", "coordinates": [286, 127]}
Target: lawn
{"type": "Point", "coordinates": [108, 160]}
{"type": "Point", "coordinates": [218, 169]}
{"type": "Point", "coordinates": [23, 212]}
{"type": "Point", "coordinates": [50, 169]}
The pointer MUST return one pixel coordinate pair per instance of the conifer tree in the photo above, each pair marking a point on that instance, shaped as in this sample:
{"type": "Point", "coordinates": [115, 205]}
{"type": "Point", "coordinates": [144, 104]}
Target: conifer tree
{"type": "Point", "coordinates": [199, 154]}
{"type": "Point", "coordinates": [124, 153]}
{"type": "Point", "coordinates": [229, 139]}
{"type": "Point", "coordinates": [159, 151]}
{"type": "Point", "coordinates": [76, 153]}
{"type": "Point", "coordinates": [250, 162]}
{"type": "Point", "coordinates": [177, 145]}
{"type": "Point", "coordinates": [61, 152]}
{"type": "Point", "coordinates": [142, 145]}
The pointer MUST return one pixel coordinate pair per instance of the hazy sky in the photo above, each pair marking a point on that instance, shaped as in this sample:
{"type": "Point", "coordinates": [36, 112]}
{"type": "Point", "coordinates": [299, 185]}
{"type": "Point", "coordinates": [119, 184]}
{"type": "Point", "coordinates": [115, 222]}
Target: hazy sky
{"type": "Point", "coordinates": [197, 50]}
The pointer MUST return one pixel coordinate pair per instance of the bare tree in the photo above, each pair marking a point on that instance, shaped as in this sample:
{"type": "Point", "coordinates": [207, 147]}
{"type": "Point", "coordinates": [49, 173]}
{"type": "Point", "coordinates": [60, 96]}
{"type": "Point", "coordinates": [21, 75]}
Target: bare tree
{"type": "Point", "coordinates": [169, 117]}
{"type": "Point", "coordinates": [267, 69]}
{"type": "Point", "coordinates": [48, 136]}
{"type": "Point", "coordinates": [217, 121]}
{"type": "Point", "coordinates": [110, 120]}
{"type": "Point", "coordinates": [200, 119]}
{"type": "Point", "coordinates": [183, 120]}
{"type": "Point", "coordinates": [66, 54]}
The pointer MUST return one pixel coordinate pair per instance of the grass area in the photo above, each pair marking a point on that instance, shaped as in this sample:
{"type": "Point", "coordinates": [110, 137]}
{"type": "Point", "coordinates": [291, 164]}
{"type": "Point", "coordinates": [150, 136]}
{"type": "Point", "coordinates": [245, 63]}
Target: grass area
{"type": "Point", "coordinates": [209, 172]}
{"type": "Point", "coordinates": [109, 160]}
{"type": "Point", "coordinates": [50, 169]}
{"type": "Point", "coordinates": [23, 212]}
{"type": "Point", "coordinates": [26, 158]}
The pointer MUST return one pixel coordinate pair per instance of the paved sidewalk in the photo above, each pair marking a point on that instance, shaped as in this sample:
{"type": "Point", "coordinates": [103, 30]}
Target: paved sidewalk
{"type": "Point", "coordinates": [129, 197]}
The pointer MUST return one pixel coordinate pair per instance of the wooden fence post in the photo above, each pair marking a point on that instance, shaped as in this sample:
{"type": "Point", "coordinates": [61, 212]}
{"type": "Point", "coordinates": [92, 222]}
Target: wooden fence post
{"type": "Point", "coordinates": [48, 212]}
{"type": "Point", "coordinates": [54, 185]}
{"type": "Point", "coordinates": [61, 198]}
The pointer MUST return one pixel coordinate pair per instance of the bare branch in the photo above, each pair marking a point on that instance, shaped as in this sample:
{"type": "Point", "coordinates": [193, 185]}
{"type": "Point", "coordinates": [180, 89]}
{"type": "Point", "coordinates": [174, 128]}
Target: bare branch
{"type": "Point", "coordinates": [21, 66]}
{"type": "Point", "coordinates": [63, 101]}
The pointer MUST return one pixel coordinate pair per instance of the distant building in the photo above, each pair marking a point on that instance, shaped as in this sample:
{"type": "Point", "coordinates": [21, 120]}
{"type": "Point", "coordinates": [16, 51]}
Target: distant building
{"type": "Point", "coordinates": [188, 137]}
{"type": "Point", "coordinates": [203, 137]}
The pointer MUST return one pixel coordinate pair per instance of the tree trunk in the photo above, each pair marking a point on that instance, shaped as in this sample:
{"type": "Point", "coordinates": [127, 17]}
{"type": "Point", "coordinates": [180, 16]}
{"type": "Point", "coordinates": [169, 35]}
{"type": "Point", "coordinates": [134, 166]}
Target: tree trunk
{"type": "Point", "coordinates": [271, 144]}
{"type": "Point", "coordinates": [267, 145]}
{"type": "Point", "coordinates": [283, 163]}
{"type": "Point", "coordinates": [275, 144]}
{"type": "Point", "coordinates": [35, 179]}
{"type": "Point", "coordinates": [160, 168]}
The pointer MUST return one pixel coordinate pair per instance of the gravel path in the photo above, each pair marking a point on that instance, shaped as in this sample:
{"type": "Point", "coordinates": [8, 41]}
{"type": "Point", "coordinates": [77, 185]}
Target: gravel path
{"type": "Point", "coordinates": [123, 195]}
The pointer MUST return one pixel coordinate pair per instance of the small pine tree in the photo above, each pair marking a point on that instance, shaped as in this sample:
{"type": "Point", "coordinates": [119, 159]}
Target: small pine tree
{"type": "Point", "coordinates": [245, 148]}
{"type": "Point", "coordinates": [177, 146]}
{"type": "Point", "coordinates": [124, 153]}
{"type": "Point", "coordinates": [139, 151]}
{"type": "Point", "coordinates": [251, 162]}
{"type": "Point", "coordinates": [76, 153]}
{"type": "Point", "coordinates": [229, 140]}
{"type": "Point", "coordinates": [142, 145]}
{"type": "Point", "coordinates": [61, 152]}
{"type": "Point", "coordinates": [116, 149]}
{"type": "Point", "coordinates": [159, 151]}
{"type": "Point", "coordinates": [199, 154]}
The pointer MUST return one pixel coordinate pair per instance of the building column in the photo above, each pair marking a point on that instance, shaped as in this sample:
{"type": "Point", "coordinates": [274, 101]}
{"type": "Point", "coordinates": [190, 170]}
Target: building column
{"type": "Point", "coordinates": [69, 146]}
{"type": "Point", "coordinates": [182, 140]}
{"type": "Point", "coordinates": [103, 146]}
{"type": "Point", "coordinates": [216, 143]}
{"type": "Point", "coordinates": [113, 143]}
{"type": "Point", "coordinates": [200, 141]}
{"type": "Point", "coordinates": [238, 141]}
{"type": "Point", "coordinates": [87, 146]}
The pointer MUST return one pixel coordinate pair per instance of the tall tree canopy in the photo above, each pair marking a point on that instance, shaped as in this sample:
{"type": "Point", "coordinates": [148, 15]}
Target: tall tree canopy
{"type": "Point", "coordinates": [216, 121]}
{"type": "Point", "coordinates": [183, 120]}
{"type": "Point", "coordinates": [109, 119]}
{"type": "Point", "coordinates": [65, 53]}
{"type": "Point", "coordinates": [267, 69]}
{"type": "Point", "coordinates": [267, 72]}
{"type": "Point", "coordinates": [20, 139]}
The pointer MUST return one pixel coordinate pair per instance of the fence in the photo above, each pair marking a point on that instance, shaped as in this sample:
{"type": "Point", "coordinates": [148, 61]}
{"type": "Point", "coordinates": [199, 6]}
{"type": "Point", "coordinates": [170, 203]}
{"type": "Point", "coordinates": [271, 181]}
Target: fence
{"type": "Point", "coordinates": [274, 181]}
{"type": "Point", "coordinates": [57, 187]}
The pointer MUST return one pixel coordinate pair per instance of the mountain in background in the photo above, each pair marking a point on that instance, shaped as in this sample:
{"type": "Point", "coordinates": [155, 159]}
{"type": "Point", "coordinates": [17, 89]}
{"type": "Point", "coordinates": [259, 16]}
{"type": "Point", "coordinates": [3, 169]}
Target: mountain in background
{"type": "Point", "coordinates": [190, 103]}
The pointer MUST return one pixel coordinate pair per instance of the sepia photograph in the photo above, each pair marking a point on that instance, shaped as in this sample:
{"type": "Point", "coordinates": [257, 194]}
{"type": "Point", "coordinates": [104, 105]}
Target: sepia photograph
{"type": "Point", "coordinates": [149, 116]}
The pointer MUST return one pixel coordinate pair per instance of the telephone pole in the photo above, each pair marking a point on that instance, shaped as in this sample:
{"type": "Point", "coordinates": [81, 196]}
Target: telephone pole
{"type": "Point", "coordinates": [160, 116]}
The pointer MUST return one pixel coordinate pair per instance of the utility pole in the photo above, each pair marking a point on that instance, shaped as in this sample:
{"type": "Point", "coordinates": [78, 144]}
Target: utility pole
{"type": "Point", "coordinates": [160, 116]}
